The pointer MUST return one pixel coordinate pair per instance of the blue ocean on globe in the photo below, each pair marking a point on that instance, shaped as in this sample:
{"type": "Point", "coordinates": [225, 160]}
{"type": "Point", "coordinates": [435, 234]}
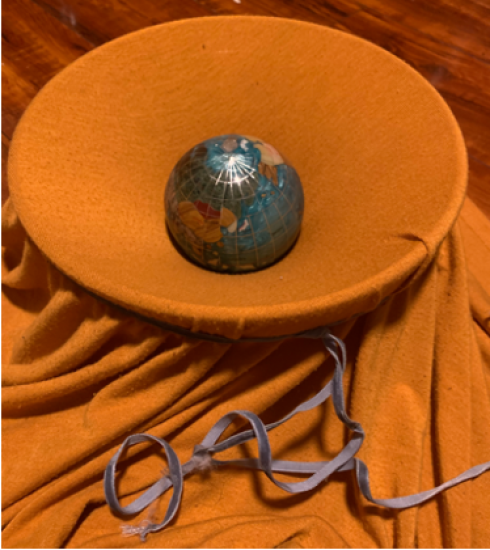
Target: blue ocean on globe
{"type": "Point", "coordinates": [233, 203]}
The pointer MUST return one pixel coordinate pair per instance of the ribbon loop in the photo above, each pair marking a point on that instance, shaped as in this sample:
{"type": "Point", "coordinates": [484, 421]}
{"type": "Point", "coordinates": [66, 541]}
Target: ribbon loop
{"type": "Point", "coordinates": [174, 478]}
{"type": "Point", "coordinates": [202, 457]}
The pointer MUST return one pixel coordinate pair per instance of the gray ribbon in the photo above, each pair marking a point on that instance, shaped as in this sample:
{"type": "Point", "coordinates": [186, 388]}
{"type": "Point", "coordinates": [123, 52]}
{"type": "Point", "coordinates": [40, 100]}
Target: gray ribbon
{"type": "Point", "coordinates": [320, 471]}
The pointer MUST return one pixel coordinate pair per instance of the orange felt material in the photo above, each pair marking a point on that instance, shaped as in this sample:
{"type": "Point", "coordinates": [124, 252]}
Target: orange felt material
{"type": "Point", "coordinates": [380, 156]}
{"type": "Point", "coordinates": [80, 374]}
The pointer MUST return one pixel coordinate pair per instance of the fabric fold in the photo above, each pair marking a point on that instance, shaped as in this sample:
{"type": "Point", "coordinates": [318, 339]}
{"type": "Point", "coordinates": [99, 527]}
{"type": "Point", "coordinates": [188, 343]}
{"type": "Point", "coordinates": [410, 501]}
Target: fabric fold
{"type": "Point", "coordinates": [80, 376]}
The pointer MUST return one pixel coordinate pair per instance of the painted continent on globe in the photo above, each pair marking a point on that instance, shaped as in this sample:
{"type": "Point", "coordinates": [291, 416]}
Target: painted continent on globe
{"type": "Point", "coordinates": [234, 204]}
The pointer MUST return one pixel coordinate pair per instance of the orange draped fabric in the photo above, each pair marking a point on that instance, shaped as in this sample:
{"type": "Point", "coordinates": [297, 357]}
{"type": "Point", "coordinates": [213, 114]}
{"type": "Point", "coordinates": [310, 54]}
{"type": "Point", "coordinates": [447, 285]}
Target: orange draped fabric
{"type": "Point", "coordinates": [384, 171]}
{"type": "Point", "coordinates": [79, 376]}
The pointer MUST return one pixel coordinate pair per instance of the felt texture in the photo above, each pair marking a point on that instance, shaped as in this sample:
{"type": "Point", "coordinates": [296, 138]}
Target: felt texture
{"type": "Point", "coordinates": [380, 155]}
{"type": "Point", "coordinates": [80, 374]}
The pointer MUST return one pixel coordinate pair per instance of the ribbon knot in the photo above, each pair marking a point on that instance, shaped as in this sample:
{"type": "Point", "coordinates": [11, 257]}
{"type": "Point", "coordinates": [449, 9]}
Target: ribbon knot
{"type": "Point", "coordinates": [201, 460]}
{"type": "Point", "coordinates": [320, 471]}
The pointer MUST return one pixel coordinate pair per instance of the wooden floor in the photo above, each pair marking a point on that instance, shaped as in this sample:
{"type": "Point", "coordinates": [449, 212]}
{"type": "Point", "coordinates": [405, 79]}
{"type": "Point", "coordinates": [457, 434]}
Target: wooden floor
{"type": "Point", "coordinates": [447, 41]}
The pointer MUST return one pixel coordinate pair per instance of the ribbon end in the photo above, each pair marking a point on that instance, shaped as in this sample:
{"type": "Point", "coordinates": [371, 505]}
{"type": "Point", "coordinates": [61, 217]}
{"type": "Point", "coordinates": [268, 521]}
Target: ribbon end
{"type": "Point", "coordinates": [141, 529]}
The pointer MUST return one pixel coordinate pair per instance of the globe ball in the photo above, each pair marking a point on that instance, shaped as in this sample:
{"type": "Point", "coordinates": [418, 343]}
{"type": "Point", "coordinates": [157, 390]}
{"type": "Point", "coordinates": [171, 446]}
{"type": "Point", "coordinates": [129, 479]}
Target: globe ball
{"type": "Point", "coordinates": [233, 203]}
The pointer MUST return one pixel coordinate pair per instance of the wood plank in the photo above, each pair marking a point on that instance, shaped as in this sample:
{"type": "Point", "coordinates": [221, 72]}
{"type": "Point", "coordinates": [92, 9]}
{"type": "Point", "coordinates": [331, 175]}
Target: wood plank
{"type": "Point", "coordinates": [463, 25]}
{"type": "Point", "coordinates": [17, 93]}
{"type": "Point", "coordinates": [36, 43]}
{"type": "Point", "coordinates": [99, 22]}
{"type": "Point", "coordinates": [5, 152]}
{"type": "Point", "coordinates": [166, 10]}
{"type": "Point", "coordinates": [479, 185]}
{"type": "Point", "coordinates": [327, 13]}
{"type": "Point", "coordinates": [475, 125]}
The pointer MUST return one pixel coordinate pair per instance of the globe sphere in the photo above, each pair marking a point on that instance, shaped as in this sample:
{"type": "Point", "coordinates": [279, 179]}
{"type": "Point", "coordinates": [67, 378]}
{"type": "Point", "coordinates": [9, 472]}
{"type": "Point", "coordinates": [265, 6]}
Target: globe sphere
{"type": "Point", "coordinates": [233, 203]}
